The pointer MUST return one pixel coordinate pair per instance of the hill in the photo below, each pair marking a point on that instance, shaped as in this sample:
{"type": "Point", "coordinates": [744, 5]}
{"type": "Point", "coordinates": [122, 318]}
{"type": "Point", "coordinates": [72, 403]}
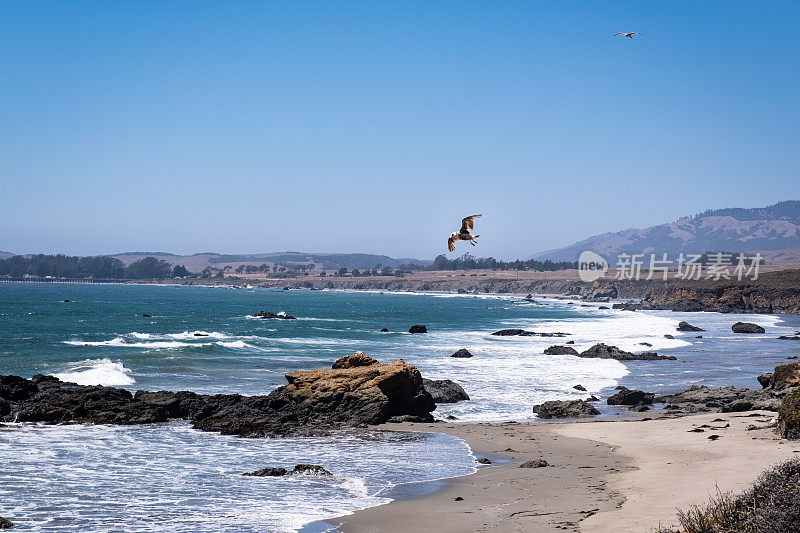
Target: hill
{"type": "Point", "coordinates": [774, 229]}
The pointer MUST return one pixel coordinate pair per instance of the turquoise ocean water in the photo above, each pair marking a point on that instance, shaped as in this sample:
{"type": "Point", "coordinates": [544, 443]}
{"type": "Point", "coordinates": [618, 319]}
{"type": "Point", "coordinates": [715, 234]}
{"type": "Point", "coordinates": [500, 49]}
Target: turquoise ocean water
{"type": "Point", "coordinates": [172, 478]}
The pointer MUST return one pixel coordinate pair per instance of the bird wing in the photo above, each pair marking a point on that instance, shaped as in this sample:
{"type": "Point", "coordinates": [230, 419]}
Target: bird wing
{"type": "Point", "coordinates": [630, 35]}
{"type": "Point", "coordinates": [469, 222]}
{"type": "Point", "coordinates": [451, 243]}
{"type": "Point", "coordinates": [620, 33]}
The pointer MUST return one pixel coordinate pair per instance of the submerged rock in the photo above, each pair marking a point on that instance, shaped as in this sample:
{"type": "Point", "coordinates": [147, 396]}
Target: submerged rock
{"type": "Point", "coordinates": [5, 523]}
{"type": "Point", "coordinates": [268, 314]}
{"type": "Point", "coordinates": [444, 390]}
{"type": "Point", "coordinates": [580, 388]}
{"type": "Point", "coordinates": [565, 409]}
{"type": "Point", "coordinates": [483, 461]}
{"type": "Point", "coordinates": [747, 327]}
{"type": "Point", "coordinates": [462, 353]}
{"type": "Point", "coordinates": [602, 351]}
{"type": "Point", "coordinates": [524, 333]}
{"type": "Point", "coordinates": [418, 328]}
{"type": "Point", "coordinates": [685, 326]}
{"type": "Point", "coordinates": [300, 469]}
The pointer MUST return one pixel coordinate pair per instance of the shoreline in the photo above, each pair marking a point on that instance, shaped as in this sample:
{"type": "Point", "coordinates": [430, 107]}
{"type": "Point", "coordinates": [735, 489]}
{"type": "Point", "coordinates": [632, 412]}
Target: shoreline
{"type": "Point", "coordinates": [635, 471]}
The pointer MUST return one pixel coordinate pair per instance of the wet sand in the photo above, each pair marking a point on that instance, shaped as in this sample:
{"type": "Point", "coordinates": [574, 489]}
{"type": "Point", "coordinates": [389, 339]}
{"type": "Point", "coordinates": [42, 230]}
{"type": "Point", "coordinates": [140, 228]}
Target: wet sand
{"type": "Point", "coordinates": [603, 475]}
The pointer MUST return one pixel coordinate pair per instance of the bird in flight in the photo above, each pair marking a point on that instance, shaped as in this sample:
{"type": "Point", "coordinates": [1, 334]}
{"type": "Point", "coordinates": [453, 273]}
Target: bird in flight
{"type": "Point", "coordinates": [629, 35]}
{"type": "Point", "coordinates": [464, 233]}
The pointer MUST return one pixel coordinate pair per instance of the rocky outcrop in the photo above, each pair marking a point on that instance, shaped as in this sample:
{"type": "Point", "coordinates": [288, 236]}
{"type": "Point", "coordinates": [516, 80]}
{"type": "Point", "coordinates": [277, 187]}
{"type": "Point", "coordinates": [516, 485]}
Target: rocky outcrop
{"type": "Point", "coordinates": [685, 326]}
{"type": "Point", "coordinates": [301, 469]}
{"type": "Point", "coordinates": [462, 353]}
{"type": "Point", "coordinates": [5, 523]}
{"type": "Point", "coordinates": [351, 395]}
{"type": "Point", "coordinates": [747, 327]}
{"type": "Point", "coordinates": [772, 292]}
{"type": "Point", "coordinates": [783, 377]}
{"type": "Point", "coordinates": [602, 351]}
{"type": "Point", "coordinates": [524, 333]}
{"type": "Point", "coordinates": [418, 328]}
{"type": "Point", "coordinates": [444, 390]}
{"type": "Point", "coordinates": [789, 416]}
{"type": "Point", "coordinates": [631, 397]}
{"type": "Point", "coordinates": [564, 409]}
{"type": "Point", "coordinates": [268, 314]}
{"type": "Point", "coordinates": [723, 399]}
{"type": "Point", "coordinates": [560, 350]}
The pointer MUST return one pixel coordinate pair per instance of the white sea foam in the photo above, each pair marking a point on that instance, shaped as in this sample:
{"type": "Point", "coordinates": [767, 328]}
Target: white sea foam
{"type": "Point", "coordinates": [97, 372]}
{"type": "Point", "coordinates": [121, 342]}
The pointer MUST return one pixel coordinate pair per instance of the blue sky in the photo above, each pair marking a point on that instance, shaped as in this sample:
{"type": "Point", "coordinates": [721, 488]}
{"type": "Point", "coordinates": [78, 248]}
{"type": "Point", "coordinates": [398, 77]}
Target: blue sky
{"type": "Point", "coordinates": [375, 127]}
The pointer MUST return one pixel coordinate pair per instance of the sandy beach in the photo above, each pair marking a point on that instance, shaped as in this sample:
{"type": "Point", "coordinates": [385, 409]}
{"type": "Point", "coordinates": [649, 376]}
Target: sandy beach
{"type": "Point", "coordinates": [602, 475]}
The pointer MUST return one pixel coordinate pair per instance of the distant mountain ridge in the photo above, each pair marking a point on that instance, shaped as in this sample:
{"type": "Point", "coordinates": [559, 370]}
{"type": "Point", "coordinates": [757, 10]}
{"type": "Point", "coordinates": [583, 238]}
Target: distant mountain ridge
{"type": "Point", "coordinates": [771, 228]}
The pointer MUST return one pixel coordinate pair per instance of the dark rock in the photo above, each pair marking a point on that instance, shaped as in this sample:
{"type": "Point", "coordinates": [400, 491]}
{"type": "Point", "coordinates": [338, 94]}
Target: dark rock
{"type": "Point", "coordinates": [268, 314]}
{"type": "Point", "coordinates": [462, 353]}
{"type": "Point", "coordinates": [524, 333]}
{"type": "Point", "coordinates": [787, 338]}
{"type": "Point", "coordinates": [765, 379]}
{"type": "Point", "coordinates": [5, 523]}
{"type": "Point", "coordinates": [685, 326]}
{"type": "Point", "coordinates": [580, 388]}
{"type": "Point", "coordinates": [640, 408]}
{"type": "Point", "coordinates": [313, 470]}
{"type": "Point", "coordinates": [145, 315]}
{"type": "Point", "coordinates": [444, 390]}
{"type": "Point", "coordinates": [713, 437]}
{"type": "Point", "coordinates": [646, 344]}
{"type": "Point", "coordinates": [483, 461]}
{"type": "Point", "coordinates": [268, 472]}
{"type": "Point", "coordinates": [723, 399]}
{"type": "Point", "coordinates": [564, 409]}
{"type": "Point", "coordinates": [631, 397]}
{"type": "Point", "coordinates": [458, 499]}
{"type": "Point", "coordinates": [699, 337]}
{"type": "Point", "coordinates": [534, 463]}
{"type": "Point", "coordinates": [668, 336]}
{"type": "Point", "coordinates": [747, 327]}
{"type": "Point", "coordinates": [560, 350]}
{"type": "Point", "coordinates": [201, 334]}
{"type": "Point", "coordinates": [384, 330]}
{"type": "Point", "coordinates": [629, 306]}
{"type": "Point", "coordinates": [570, 342]}
{"type": "Point", "coordinates": [602, 351]}
{"type": "Point", "coordinates": [604, 307]}
{"type": "Point", "coordinates": [418, 328]}
{"type": "Point", "coordinates": [66, 301]}
{"type": "Point", "coordinates": [592, 398]}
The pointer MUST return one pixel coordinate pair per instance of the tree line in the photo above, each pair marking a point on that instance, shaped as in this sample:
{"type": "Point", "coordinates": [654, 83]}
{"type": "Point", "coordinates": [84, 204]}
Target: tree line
{"type": "Point", "coordinates": [99, 267]}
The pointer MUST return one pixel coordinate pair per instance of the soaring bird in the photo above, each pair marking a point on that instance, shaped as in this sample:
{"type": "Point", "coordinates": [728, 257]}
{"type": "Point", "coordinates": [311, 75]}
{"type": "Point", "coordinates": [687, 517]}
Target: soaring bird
{"type": "Point", "coordinates": [464, 233]}
{"type": "Point", "coordinates": [629, 35]}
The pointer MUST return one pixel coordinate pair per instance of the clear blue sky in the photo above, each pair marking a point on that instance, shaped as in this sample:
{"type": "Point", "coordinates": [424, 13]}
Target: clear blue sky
{"type": "Point", "coordinates": [344, 126]}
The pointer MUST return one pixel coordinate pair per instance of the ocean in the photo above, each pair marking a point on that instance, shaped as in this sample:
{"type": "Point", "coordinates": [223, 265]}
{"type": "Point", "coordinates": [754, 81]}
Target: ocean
{"type": "Point", "coordinates": [172, 478]}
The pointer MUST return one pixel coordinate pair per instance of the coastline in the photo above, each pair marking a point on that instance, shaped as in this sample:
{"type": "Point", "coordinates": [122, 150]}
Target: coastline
{"type": "Point", "coordinates": [605, 475]}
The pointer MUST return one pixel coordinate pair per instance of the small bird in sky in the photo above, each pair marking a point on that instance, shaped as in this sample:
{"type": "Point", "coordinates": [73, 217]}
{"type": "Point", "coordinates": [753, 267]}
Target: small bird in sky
{"type": "Point", "coordinates": [629, 35]}
{"type": "Point", "coordinates": [464, 233]}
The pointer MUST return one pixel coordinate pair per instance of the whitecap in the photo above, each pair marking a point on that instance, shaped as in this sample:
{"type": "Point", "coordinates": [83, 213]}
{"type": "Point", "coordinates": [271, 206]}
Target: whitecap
{"type": "Point", "coordinates": [97, 372]}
